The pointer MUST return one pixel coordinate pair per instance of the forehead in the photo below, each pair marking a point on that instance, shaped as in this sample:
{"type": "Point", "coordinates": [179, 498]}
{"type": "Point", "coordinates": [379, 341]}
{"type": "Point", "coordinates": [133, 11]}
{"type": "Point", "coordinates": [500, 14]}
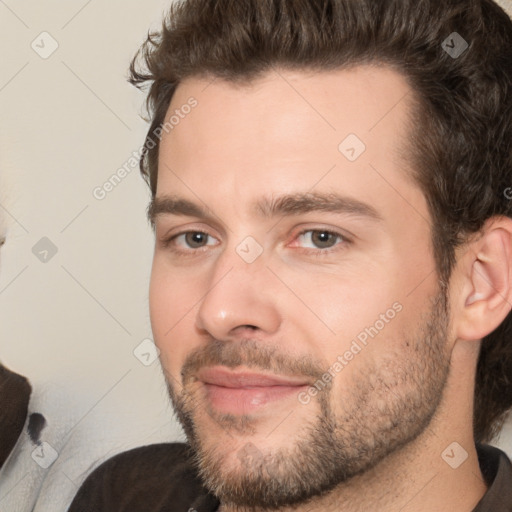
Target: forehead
{"type": "Point", "coordinates": [357, 99]}
{"type": "Point", "coordinates": [290, 131]}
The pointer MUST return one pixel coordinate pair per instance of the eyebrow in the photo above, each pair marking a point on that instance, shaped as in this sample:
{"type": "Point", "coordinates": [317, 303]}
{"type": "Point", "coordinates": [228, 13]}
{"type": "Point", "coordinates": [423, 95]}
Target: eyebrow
{"type": "Point", "coordinates": [286, 205]}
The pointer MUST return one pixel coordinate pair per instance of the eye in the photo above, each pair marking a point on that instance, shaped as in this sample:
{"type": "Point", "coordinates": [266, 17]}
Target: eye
{"type": "Point", "coordinates": [193, 240]}
{"type": "Point", "coordinates": [319, 239]}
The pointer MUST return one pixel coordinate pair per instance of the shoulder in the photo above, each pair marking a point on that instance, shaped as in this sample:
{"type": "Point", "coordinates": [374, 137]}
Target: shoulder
{"type": "Point", "coordinates": [14, 400]}
{"type": "Point", "coordinates": [174, 457]}
{"type": "Point", "coordinates": [496, 468]}
{"type": "Point", "coordinates": [148, 478]}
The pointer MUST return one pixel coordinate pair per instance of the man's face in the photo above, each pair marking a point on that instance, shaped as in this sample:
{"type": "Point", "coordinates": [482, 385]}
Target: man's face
{"type": "Point", "coordinates": [293, 295]}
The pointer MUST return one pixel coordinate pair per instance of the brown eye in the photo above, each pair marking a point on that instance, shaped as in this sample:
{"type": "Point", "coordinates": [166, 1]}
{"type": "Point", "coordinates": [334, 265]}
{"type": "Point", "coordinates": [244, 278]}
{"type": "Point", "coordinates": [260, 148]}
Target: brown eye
{"type": "Point", "coordinates": [319, 239]}
{"type": "Point", "coordinates": [196, 239]}
{"type": "Point", "coordinates": [323, 239]}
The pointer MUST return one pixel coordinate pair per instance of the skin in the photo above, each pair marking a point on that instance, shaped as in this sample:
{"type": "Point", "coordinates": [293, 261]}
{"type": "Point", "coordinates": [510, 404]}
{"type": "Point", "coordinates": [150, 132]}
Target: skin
{"type": "Point", "coordinates": [387, 417]}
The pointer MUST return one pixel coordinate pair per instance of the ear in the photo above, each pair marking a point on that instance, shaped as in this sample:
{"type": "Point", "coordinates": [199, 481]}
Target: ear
{"type": "Point", "coordinates": [486, 280]}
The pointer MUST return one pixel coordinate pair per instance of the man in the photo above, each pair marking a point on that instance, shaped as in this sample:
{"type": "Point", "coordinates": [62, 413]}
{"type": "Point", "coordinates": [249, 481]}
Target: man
{"type": "Point", "coordinates": [332, 278]}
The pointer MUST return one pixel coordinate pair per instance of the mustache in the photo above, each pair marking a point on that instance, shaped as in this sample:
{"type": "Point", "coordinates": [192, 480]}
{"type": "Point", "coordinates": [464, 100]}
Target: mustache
{"type": "Point", "coordinates": [252, 354]}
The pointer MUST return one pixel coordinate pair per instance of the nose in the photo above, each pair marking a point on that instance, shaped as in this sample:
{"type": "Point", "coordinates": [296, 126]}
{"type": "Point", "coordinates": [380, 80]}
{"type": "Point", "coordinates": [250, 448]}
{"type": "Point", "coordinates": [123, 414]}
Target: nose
{"type": "Point", "coordinates": [239, 302]}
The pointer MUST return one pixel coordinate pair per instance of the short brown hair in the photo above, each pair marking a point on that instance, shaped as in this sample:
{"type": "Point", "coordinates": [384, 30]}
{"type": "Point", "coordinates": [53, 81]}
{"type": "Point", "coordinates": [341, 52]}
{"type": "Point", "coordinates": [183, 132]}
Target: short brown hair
{"type": "Point", "coordinates": [461, 143]}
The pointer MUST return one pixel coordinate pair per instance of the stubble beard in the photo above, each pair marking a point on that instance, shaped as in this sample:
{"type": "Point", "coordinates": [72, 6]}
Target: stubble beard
{"type": "Point", "coordinates": [387, 407]}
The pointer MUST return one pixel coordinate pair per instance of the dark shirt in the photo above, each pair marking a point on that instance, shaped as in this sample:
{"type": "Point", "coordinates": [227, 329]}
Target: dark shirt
{"type": "Point", "coordinates": [14, 397]}
{"type": "Point", "coordinates": [161, 478]}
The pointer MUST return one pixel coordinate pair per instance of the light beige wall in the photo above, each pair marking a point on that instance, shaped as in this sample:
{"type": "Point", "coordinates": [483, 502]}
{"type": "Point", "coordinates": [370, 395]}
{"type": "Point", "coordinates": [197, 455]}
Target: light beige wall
{"type": "Point", "coordinates": [68, 123]}
{"type": "Point", "coordinates": [506, 4]}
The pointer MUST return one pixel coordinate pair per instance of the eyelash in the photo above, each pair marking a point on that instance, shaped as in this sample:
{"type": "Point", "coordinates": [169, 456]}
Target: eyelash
{"type": "Point", "coordinates": [343, 242]}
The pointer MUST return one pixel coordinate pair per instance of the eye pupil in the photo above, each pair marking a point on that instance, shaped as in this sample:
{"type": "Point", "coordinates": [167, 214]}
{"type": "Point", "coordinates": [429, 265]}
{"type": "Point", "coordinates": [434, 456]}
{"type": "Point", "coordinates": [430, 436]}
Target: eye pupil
{"type": "Point", "coordinates": [323, 239]}
{"type": "Point", "coordinates": [196, 239]}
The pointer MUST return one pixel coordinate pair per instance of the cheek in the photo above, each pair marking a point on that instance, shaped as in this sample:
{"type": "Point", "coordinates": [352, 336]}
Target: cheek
{"type": "Point", "coordinates": [172, 296]}
{"type": "Point", "coordinates": [336, 306]}
{"type": "Point", "coordinates": [171, 305]}
{"type": "Point", "coordinates": [162, 298]}
{"type": "Point", "coordinates": [360, 315]}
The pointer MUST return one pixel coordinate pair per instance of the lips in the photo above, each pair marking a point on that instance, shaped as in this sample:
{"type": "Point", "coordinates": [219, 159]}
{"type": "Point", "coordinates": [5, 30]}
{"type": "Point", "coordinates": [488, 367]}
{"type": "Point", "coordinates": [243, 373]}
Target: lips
{"type": "Point", "coordinates": [220, 376]}
{"type": "Point", "coordinates": [243, 392]}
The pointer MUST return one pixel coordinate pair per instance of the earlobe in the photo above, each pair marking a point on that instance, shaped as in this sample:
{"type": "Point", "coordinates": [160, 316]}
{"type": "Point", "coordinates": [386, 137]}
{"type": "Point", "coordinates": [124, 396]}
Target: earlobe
{"type": "Point", "coordinates": [488, 296]}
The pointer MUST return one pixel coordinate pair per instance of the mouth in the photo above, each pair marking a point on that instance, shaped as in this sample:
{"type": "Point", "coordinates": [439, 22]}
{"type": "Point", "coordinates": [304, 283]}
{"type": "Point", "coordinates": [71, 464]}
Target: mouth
{"type": "Point", "coordinates": [243, 392]}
